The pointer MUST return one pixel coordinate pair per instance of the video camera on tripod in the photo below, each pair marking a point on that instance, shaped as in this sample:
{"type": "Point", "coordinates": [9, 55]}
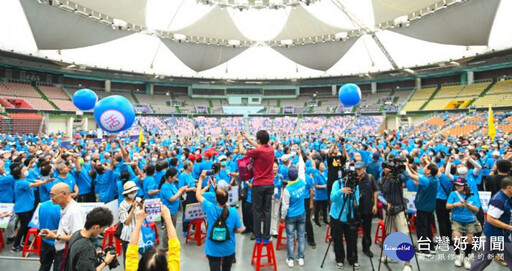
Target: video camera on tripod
{"type": "Point", "coordinates": [396, 165]}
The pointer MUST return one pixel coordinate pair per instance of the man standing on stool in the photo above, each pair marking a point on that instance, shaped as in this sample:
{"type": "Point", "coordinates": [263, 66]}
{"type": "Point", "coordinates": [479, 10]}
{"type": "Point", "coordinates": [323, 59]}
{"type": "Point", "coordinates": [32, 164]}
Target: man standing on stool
{"type": "Point", "coordinates": [263, 182]}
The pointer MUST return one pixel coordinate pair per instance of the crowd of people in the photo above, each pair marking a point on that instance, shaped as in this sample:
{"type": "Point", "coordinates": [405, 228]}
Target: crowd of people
{"type": "Point", "coordinates": [344, 181]}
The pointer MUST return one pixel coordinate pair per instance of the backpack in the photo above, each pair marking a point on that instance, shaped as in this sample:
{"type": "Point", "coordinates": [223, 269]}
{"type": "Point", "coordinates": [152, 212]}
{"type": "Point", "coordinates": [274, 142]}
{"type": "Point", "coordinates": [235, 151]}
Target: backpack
{"type": "Point", "coordinates": [245, 168]}
{"type": "Point", "coordinates": [220, 232]}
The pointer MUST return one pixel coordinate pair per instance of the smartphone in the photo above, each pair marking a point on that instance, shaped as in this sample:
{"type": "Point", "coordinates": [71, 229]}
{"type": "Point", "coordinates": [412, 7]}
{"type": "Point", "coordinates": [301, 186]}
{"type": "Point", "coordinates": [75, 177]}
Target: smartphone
{"type": "Point", "coordinates": [209, 173]}
{"type": "Point", "coordinates": [152, 208]}
{"type": "Point", "coordinates": [461, 156]}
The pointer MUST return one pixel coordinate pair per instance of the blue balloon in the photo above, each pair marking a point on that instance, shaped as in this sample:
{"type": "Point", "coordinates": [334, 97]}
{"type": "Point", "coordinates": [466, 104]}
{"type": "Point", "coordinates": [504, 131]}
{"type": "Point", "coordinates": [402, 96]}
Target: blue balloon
{"type": "Point", "coordinates": [114, 114]}
{"type": "Point", "coordinates": [85, 99]}
{"type": "Point", "coordinates": [350, 95]}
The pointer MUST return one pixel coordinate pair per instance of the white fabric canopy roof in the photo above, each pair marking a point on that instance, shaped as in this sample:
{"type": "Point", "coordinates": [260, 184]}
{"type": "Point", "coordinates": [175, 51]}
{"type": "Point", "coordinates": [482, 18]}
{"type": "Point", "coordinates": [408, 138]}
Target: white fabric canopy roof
{"type": "Point", "coordinates": [92, 44]}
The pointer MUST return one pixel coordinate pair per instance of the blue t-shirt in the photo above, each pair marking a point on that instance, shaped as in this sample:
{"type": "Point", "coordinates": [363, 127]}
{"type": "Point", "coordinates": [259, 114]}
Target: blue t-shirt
{"type": "Point", "coordinates": [149, 184]}
{"type": "Point", "coordinates": [309, 186]}
{"type": "Point", "coordinates": [83, 179]}
{"type": "Point", "coordinates": [426, 196]}
{"type": "Point", "coordinates": [462, 214]}
{"type": "Point", "coordinates": [23, 196]}
{"type": "Point", "coordinates": [6, 188]}
{"type": "Point", "coordinates": [186, 179]}
{"type": "Point", "coordinates": [69, 180]}
{"type": "Point", "coordinates": [320, 179]}
{"type": "Point", "coordinates": [227, 248]}
{"type": "Point", "coordinates": [337, 200]}
{"type": "Point", "coordinates": [444, 187]}
{"type": "Point", "coordinates": [49, 217]}
{"type": "Point", "coordinates": [278, 183]}
{"type": "Point", "coordinates": [499, 208]}
{"type": "Point", "coordinates": [168, 191]}
{"type": "Point", "coordinates": [44, 190]}
{"type": "Point", "coordinates": [106, 186]}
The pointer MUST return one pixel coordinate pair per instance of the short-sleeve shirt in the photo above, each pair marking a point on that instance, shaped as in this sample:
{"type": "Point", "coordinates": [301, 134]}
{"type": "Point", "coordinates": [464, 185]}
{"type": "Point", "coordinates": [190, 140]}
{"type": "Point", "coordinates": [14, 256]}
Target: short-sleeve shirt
{"type": "Point", "coordinates": [71, 220]}
{"type": "Point", "coordinates": [23, 196]}
{"type": "Point", "coordinates": [49, 217]}
{"type": "Point", "coordinates": [233, 222]}
{"type": "Point", "coordinates": [499, 208]}
{"type": "Point", "coordinates": [148, 185]}
{"type": "Point", "coordinates": [462, 214]}
{"type": "Point", "coordinates": [426, 196]}
{"type": "Point", "coordinates": [263, 164]}
{"type": "Point", "coordinates": [167, 192]}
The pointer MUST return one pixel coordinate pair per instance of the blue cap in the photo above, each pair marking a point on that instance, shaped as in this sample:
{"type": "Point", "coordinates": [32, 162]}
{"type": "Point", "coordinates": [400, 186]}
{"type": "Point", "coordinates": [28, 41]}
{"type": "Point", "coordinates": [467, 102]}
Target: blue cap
{"type": "Point", "coordinates": [376, 156]}
{"type": "Point", "coordinates": [359, 165]}
{"type": "Point", "coordinates": [293, 173]}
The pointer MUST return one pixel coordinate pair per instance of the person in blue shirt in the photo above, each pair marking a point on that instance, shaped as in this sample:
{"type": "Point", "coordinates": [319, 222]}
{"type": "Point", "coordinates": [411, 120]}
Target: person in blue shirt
{"type": "Point", "coordinates": [320, 175]}
{"type": "Point", "coordinates": [497, 227]}
{"type": "Point", "coordinates": [463, 205]}
{"type": "Point", "coordinates": [7, 196]}
{"type": "Point", "coordinates": [293, 214]}
{"type": "Point", "coordinates": [170, 196]}
{"type": "Point", "coordinates": [105, 183]}
{"type": "Point", "coordinates": [186, 179]}
{"type": "Point", "coordinates": [84, 176]}
{"type": "Point", "coordinates": [23, 199]}
{"type": "Point", "coordinates": [276, 200]}
{"type": "Point", "coordinates": [49, 217]}
{"type": "Point", "coordinates": [65, 177]}
{"type": "Point", "coordinates": [341, 213]}
{"type": "Point", "coordinates": [219, 253]}
{"type": "Point", "coordinates": [425, 203]}
{"type": "Point", "coordinates": [444, 188]}
{"type": "Point", "coordinates": [150, 185]}
{"type": "Point", "coordinates": [375, 166]}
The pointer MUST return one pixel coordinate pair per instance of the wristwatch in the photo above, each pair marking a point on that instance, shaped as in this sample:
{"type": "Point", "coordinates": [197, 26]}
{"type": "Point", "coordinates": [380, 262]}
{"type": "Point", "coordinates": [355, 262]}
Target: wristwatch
{"type": "Point", "coordinates": [58, 237]}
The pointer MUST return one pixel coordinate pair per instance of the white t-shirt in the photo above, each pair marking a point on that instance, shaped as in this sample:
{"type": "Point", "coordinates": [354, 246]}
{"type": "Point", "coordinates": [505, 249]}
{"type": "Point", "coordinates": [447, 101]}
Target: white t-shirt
{"type": "Point", "coordinates": [71, 221]}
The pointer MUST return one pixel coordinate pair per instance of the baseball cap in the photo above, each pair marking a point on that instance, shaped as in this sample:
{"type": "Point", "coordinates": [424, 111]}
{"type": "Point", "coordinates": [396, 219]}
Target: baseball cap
{"type": "Point", "coordinates": [191, 157]}
{"type": "Point", "coordinates": [359, 165]}
{"type": "Point", "coordinates": [376, 156]}
{"type": "Point", "coordinates": [222, 157]}
{"type": "Point", "coordinates": [460, 181]}
{"type": "Point", "coordinates": [496, 153]}
{"type": "Point", "coordinates": [223, 184]}
{"type": "Point", "coordinates": [293, 173]}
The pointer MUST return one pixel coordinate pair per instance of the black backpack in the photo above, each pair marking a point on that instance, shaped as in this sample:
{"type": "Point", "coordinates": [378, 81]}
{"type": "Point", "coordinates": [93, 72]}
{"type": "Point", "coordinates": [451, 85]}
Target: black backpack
{"type": "Point", "coordinates": [220, 232]}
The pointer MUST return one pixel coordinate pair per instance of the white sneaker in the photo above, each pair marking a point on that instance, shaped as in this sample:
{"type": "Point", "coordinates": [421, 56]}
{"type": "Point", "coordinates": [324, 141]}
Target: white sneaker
{"type": "Point", "coordinates": [339, 265]}
{"type": "Point", "coordinates": [301, 262]}
{"type": "Point", "coordinates": [458, 260]}
{"type": "Point", "coordinates": [388, 260]}
{"type": "Point", "coordinates": [407, 268]}
{"type": "Point", "coordinates": [357, 266]}
{"type": "Point", "coordinates": [289, 262]}
{"type": "Point", "coordinates": [467, 263]}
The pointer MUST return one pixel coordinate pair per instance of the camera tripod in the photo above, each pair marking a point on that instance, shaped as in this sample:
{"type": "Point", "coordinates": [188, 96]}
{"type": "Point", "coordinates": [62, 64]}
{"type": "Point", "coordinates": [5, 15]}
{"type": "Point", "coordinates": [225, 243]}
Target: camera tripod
{"type": "Point", "coordinates": [395, 183]}
{"type": "Point", "coordinates": [346, 198]}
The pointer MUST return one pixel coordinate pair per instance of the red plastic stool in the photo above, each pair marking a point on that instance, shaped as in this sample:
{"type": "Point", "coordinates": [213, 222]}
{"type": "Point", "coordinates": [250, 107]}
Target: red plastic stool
{"type": "Point", "coordinates": [2, 244]}
{"type": "Point", "coordinates": [328, 233]}
{"type": "Point", "coordinates": [257, 255]}
{"type": "Point", "coordinates": [281, 240]}
{"type": "Point", "coordinates": [152, 225]}
{"type": "Point", "coordinates": [198, 235]}
{"type": "Point", "coordinates": [35, 246]}
{"type": "Point", "coordinates": [379, 238]}
{"type": "Point", "coordinates": [110, 240]}
{"type": "Point", "coordinates": [360, 231]}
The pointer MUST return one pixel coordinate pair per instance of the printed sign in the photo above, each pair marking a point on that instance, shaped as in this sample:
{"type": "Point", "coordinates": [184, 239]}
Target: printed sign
{"type": "Point", "coordinates": [233, 195]}
{"type": "Point", "coordinates": [6, 211]}
{"type": "Point", "coordinates": [194, 211]}
{"type": "Point", "coordinates": [112, 120]}
{"type": "Point", "coordinates": [153, 209]}
{"type": "Point", "coordinates": [409, 197]}
{"type": "Point", "coordinates": [485, 197]}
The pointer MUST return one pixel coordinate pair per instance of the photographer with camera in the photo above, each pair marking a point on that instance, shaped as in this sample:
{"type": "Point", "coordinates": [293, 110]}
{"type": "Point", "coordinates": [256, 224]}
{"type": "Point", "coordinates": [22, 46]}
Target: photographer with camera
{"type": "Point", "coordinates": [368, 204]}
{"type": "Point", "coordinates": [391, 196]}
{"type": "Point", "coordinates": [344, 218]}
{"type": "Point", "coordinates": [82, 255]}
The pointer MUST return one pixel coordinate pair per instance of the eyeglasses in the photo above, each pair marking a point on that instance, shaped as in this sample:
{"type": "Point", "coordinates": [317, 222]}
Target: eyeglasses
{"type": "Point", "coordinates": [53, 195]}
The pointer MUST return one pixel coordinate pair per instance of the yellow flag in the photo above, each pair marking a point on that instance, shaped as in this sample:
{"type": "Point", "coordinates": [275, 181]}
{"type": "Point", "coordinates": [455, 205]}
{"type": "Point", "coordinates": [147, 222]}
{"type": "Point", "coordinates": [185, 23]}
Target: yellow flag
{"type": "Point", "coordinates": [492, 129]}
{"type": "Point", "coordinates": [141, 138]}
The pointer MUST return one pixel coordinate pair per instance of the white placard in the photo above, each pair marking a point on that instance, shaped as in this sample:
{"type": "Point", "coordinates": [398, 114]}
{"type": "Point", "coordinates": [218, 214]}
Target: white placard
{"type": "Point", "coordinates": [6, 211]}
{"type": "Point", "coordinates": [485, 197]}
{"type": "Point", "coordinates": [409, 197]}
{"type": "Point", "coordinates": [194, 211]}
{"type": "Point", "coordinates": [233, 195]}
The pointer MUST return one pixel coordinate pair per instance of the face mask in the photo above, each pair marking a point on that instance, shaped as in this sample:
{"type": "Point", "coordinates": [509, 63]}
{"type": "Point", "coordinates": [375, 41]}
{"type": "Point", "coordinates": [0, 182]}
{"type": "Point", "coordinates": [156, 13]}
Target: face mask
{"type": "Point", "coordinates": [153, 159]}
{"type": "Point", "coordinates": [132, 196]}
{"type": "Point", "coordinates": [223, 163]}
{"type": "Point", "coordinates": [417, 145]}
{"type": "Point", "coordinates": [87, 158]}
{"type": "Point", "coordinates": [25, 174]}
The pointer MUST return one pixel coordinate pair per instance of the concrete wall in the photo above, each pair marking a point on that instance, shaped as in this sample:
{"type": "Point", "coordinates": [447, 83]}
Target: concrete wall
{"type": "Point", "coordinates": [57, 124]}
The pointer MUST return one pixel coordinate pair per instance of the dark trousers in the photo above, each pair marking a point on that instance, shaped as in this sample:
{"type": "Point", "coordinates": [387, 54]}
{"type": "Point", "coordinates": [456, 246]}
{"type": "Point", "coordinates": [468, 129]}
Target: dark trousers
{"type": "Point", "coordinates": [124, 244]}
{"type": "Point", "coordinates": [247, 215]}
{"type": "Point", "coordinates": [24, 219]}
{"type": "Point", "coordinates": [47, 256]}
{"type": "Point", "coordinates": [220, 263]}
{"type": "Point", "coordinates": [338, 229]}
{"type": "Point", "coordinates": [59, 257]}
{"type": "Point", "coordinates": [320, 205]}
{"type": "Point", "coordinates": [366, 223]}
{"type": "Point", "coordinates": [261, 207]}
{"type": "Point", "coordinates": [191, 198]}
{"type": "Point", "coordinates": [443, 219]}
{"type": "Point", "coordinates": [309, 226]}
{"type": "Point", "coordinates": [423, 223]}
{"type": "Point", "coordinates": [89, 197]}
